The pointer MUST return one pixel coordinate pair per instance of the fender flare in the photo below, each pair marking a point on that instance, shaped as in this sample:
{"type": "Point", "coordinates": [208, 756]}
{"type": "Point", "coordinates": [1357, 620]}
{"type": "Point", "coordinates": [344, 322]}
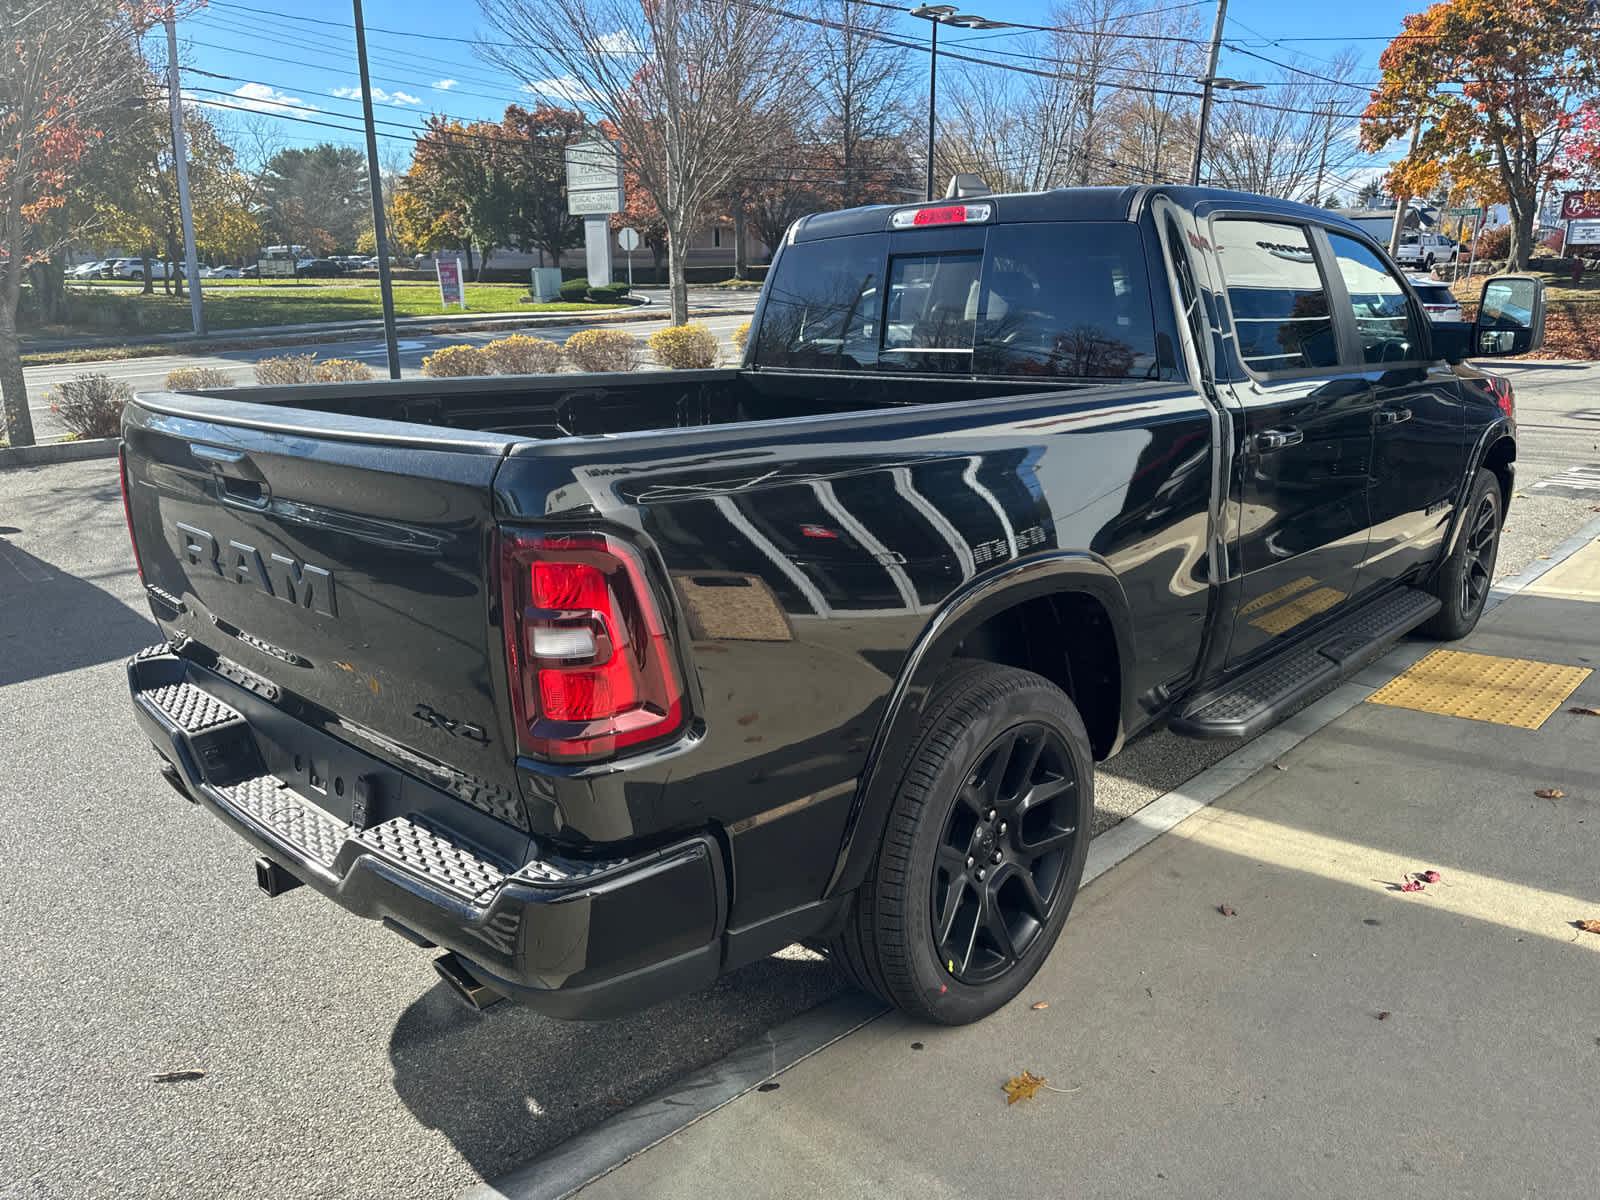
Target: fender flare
{"type": "Point", "coordinates": [962, 612]}
{"type": "Point", "coordinates": [1497, 431]}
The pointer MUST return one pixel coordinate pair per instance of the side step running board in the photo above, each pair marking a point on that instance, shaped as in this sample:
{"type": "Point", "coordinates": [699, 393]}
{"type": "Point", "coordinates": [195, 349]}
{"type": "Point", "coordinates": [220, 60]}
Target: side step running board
{"type": "Point", "coordinates": [1260, 698]}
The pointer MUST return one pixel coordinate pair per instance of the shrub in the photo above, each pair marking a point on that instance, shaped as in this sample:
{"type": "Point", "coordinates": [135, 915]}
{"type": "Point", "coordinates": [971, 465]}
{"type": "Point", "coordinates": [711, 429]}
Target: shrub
{"type": "Point", "coordinates": [91, 405]}
{"type": "Point", "coordinates": [521, 355]}
{"type": "Point", "coordinates": [690, 347]}
{"type": "Point", "coordinates": [342, 370]}
{"type": "Point", "coordinates": [604, 350]}
{"type": "Point", "coordinates": [451, 361]}
{"type": "Point", "coordinates": [291, 368]}
{"type": "Point", "coordinates": [574, 290]}
{"type": "Point", "coordinates": [608, 293]}
{"type": "Point", "coordinates": [1495, 243]}
{"type": "Point", "coordinates": [741, 335]}
{"type": "Point", "coordinates": [194, 379]}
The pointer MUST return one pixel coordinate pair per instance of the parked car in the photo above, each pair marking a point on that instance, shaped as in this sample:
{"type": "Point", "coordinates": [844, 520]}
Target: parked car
{"type": "Point", "coordinates": [320, 268]}
{"type": "Point", "coordinates": [250, 271]}
{"type": "Point", "coordinates": [133, 268]}
{"type": "Point", "coordinates": [1424, 250]}
{"type": "Point", "coordinates": [1437, 299]}
{"type": "Point", "coordinates": [223, 273]}
{"type": "Point", "coordinates": [88, 270]}
{"type": "Point", "coordinates": [625, 681]}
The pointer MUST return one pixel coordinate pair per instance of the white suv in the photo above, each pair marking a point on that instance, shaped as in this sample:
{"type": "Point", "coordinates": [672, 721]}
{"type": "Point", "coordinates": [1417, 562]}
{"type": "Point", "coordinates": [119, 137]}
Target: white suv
{"type": "Point", "coordinates": [1425, 249]}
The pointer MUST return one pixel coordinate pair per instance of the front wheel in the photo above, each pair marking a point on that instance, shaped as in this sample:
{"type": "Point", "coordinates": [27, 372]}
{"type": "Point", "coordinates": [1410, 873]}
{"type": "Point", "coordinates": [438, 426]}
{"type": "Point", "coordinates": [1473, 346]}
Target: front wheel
{"type": "Point", "coordinates": [1463, 580]}
{"type": "Point", "coordinates": [983, 852]}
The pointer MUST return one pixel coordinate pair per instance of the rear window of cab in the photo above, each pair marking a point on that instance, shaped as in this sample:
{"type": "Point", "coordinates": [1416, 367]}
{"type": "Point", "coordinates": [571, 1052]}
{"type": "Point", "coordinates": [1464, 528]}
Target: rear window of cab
{"type": "Point", "coordinates": [1058, 300]}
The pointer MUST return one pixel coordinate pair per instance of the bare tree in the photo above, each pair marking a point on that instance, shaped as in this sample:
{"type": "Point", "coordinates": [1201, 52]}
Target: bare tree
{"type": "Point", "coordinates": [1278, 142]}
{"type": "Point", "coordinates": [64, 66]}
{"type": "Point", "coordinates": [860, 85]}
{"type": "Point", "coordinates": [696, 90]}
{"type": "Point", "coordinates": [1154, 128]}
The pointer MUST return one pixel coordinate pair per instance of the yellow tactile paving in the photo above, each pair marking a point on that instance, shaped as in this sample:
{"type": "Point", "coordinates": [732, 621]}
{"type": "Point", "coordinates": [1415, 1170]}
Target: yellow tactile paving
{"type": "Point", "coordinates": [1480, 687]}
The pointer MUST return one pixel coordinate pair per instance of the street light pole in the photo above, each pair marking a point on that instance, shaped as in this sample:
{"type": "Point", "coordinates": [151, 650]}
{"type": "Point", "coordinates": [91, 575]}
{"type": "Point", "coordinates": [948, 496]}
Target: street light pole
{"type": "Point", "coordinates": [933, 86]}
{"type": "Point", "coordinates": [937, 15]}
{"type": "Point", "coordinates": [1205, 98]}
{"type": "Point", "coordinates": [180, 157]}
{"type": "Point", "coordinates": [379, 234]}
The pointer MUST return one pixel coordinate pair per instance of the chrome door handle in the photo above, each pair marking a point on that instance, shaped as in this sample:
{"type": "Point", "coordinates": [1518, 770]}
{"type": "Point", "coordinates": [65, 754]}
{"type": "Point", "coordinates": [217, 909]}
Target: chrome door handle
{"type": "Point", "coordinates": [1277, 439]}
{"type": "Point", "coordinates": [1393, 416]}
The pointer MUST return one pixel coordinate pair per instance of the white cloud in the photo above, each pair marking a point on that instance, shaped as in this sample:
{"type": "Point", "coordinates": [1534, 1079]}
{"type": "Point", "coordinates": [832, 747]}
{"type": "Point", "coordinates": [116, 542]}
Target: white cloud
{"type": "Point", "coordinates": [620, 42]}
{"type": "Point", "coordinates": [258, 97]}
{"type": "Point", "coordinates": [444, 85]}
{"type": "Point", "coordinates": [379, 96]}
{"type": "Point", "coordinates": [566, 88]}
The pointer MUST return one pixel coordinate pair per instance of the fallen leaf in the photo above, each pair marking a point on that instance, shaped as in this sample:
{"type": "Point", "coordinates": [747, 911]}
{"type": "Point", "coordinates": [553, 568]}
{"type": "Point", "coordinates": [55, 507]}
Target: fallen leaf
{"type": "Point", "coordinates": [1585, 712]}
{"type": "Point", "coordinates": [1431, 876]}
{"type": "Point", "coordinates": [1279, 767]}
{"type": "Point", "coordinates": [1589, 926]}
{"type": "Point", "coordinates": [1383, 1016]}
{"type": "Point", "coordinates": [1544, 556]}
{"type": "Point", "coordinates": [1040, 1005]}
{"type": "Point", "coordinates": [1227, 910]}
{"type": "Point", "coordinates": [769, 1087]}
{"type": "Point", "coordinates": [1023, 1087]}
{"type": "Point", "coordinates": [1411, 885]}
{"type": "Point", "coordinates": [177, 1076]}
{"type": "Point", "coordinates": [1550, 793]}
{"type": "Point", "coordinates": [1519, 495]}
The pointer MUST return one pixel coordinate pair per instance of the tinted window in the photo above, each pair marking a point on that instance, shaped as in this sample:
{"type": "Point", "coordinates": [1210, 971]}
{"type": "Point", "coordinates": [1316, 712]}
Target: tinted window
{"type": "Point", "coordinates": [1434, 293]}
{"type": "Point", "coordinates": [823, 309]}
{"type": "Point", "coordinates": [1064, 300]}
{"type": "Point", "coordinates": [1280, 306]}
{"type": "Point", "coordinates": [1383, 315]}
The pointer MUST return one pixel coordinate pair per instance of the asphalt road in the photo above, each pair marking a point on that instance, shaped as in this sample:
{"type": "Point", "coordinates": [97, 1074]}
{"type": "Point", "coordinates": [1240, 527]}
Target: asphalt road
{"type": "Point", "coordinates": [334, 1064]}
{"type": "Point", "coordinates": [147, 374]}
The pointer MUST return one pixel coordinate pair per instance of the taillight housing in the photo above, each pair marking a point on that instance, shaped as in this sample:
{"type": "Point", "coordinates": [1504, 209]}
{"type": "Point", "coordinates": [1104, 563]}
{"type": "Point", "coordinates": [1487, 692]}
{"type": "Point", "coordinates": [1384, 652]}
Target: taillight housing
{"type": "Point", "coordinates": [588, 653]}
{"type": "Point", "coordinates": [1500, 389]}
{"type": "Point", "coordinates": [127, 508]}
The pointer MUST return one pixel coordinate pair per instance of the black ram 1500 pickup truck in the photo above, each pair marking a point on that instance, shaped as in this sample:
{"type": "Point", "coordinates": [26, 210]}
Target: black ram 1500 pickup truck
{"type": "Point", "coordinates": [605, 684]}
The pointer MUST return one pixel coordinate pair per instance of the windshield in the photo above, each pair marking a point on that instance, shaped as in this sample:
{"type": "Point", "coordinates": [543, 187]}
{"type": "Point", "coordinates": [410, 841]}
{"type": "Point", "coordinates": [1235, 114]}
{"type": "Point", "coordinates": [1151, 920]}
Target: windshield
{"type": "Point", "coordinates": [1068, 299]}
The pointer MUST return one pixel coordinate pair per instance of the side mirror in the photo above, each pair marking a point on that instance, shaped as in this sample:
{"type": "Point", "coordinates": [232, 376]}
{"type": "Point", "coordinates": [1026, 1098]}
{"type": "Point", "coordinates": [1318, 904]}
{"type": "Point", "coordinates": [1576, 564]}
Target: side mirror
{"type": "Point", "coordinates": [1510, 317]}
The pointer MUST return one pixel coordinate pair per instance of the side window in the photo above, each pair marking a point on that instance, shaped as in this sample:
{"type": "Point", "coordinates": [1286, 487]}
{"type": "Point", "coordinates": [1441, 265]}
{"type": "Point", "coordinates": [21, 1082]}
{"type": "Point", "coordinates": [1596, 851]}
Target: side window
{"type": "Point", "coordinates": [1280, 308]}
{"type": "Point", "coordinates": [1384, 320]}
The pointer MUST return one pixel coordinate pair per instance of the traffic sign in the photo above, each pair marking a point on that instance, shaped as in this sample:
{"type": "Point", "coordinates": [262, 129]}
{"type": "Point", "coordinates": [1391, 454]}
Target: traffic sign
{"type": "Point", "coordinates": [628, 239]}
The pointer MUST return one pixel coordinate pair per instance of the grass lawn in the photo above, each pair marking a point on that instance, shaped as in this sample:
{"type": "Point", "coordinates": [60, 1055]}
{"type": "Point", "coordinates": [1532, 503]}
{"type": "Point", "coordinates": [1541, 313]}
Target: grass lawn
{"type": "Point", "coordinates": [115, 307]}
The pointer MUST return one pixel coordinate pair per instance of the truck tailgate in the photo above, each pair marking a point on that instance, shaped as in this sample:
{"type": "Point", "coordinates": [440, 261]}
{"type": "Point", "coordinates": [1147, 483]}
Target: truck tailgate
{"type": "Point", "coordinates": [338, 568]}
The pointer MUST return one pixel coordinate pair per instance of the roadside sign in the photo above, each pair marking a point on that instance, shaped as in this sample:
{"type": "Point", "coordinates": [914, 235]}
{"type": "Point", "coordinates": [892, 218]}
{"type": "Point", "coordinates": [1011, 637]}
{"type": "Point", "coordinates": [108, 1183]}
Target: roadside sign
{"type": "Point", "coordinates": [594, 178]}
{"type": "Point", "coordinates": [1463, 212]}
{"type": "Point", "coordinates": [275, 268]}
{"type": "Point", "coordinates": [451, 288]}
{"type": "Point", "coordinates": [593, 203]}
{"type": "Point", "coordinates": [1576, 206]}
{"type": "Point", "coordinates": [628, 239]}
{"type": "Point", "coordinates": [1583, 233]}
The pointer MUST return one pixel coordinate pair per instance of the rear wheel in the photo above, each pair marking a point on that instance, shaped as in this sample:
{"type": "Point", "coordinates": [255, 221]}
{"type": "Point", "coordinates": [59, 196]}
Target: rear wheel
{"type": "Point", "coordinates": [1463, 581]}
{"type": "Point", "coordinates": [984, 849]}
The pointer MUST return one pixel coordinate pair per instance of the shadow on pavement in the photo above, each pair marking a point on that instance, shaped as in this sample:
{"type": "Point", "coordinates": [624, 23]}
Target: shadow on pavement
{"type": "Point", "coordinates": [507, 1085]}
{"type": "Point", "coordinates": [53, 621]}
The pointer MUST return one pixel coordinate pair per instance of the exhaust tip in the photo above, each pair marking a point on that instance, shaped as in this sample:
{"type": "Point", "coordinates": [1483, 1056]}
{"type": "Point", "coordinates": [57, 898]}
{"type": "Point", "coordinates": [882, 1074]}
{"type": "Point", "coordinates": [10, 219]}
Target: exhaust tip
{"type": "Point", "coordinates": [460, 979]}
{"type": "Point", "coordinates": [273, 879]}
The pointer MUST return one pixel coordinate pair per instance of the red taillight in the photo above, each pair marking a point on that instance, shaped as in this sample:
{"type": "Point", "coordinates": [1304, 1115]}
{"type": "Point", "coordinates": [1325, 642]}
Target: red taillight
{"type": "Point", "coordinates": [1500, 389]}
{"type": "Point", "coordinates": [589, 658]}
{"type": "Point", "coordinates": [946, 214]}
{"type": "Point", "coordinates": [127, 509]}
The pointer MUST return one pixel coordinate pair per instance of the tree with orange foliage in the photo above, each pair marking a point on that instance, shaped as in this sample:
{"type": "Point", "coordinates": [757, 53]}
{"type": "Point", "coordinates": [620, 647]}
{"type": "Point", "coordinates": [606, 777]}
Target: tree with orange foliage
{"type": "Point", "coordinates": [1523, 69]}
{"type": "Point", "coordinates": [64, 66]}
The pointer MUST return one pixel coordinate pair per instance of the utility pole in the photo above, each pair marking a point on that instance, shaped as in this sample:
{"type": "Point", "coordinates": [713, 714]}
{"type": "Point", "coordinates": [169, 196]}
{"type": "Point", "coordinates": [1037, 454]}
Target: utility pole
{"type": "Point", "coordinates": [1205, 97]}
{"type": "Point", "coordinates": [1402, 202]}
{"type": "Point", "coordinates": [1322, 159]}
{"type": "Point", "coordinates": [933, 83]}
{"type": "Point", "coordinates": [191, 260]}
{"type": "Point", "coordinates": [379, 234]}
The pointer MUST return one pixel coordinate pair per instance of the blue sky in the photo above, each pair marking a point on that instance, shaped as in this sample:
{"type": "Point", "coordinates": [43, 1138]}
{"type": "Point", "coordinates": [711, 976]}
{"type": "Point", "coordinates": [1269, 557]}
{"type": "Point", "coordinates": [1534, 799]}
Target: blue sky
{"type": "Point", "coordinates": [296, 58]}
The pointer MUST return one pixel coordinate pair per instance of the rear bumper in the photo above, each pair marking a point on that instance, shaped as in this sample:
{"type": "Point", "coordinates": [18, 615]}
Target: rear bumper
{"type": "Point", "coordinates": [572, 939]}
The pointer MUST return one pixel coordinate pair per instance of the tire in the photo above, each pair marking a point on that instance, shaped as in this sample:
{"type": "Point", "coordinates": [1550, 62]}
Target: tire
{"type": "Point", "coordinates": [1427, 263]}
{"type": "Point", "coordinates": [983, 852]}
{"type": "Point", "coordinates": [1463, 580]}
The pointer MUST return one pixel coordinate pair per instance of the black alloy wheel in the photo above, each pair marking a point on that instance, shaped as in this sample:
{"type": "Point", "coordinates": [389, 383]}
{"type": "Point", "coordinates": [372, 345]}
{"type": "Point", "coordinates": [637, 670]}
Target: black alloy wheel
{"type": "Point", "coordinates": [1001, 861]}
{"type": "Point", "coordinates": [1463, 581]}
{"type": "Point", "coordinates": [1482, 545]}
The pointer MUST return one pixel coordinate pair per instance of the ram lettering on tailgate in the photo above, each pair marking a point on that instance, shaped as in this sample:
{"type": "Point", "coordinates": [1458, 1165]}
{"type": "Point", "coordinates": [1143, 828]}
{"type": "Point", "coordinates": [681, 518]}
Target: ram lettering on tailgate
{"type": "Point", "coordinates": [287, 579]}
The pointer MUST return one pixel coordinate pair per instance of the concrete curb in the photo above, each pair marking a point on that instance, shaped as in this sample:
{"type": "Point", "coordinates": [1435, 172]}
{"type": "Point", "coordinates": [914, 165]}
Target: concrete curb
{"type": "Point", "coordinates": [58, 452]}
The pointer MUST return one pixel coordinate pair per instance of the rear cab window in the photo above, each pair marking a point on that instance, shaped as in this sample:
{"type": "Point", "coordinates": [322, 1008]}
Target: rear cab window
{"type": "Point", "coordinates": [1049, 299]}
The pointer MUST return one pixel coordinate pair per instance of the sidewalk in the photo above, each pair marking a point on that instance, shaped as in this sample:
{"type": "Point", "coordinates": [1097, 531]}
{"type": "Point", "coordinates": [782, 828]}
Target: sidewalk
{"type": "Point", "coordinates": [1336, 1037]}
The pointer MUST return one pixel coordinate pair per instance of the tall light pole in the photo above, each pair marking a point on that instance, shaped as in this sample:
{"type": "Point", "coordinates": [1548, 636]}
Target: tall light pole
{"type": "Point", "coordinates": [937, 15]}
{"type": "Point", "coordinates": [379, 234]}
{"type": "Point", "coordinates": [191, 260]}
{"type": "Point", "coordinates": [1211, 80]}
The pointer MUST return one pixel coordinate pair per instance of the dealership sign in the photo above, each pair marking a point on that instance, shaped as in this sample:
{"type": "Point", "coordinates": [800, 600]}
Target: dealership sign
{"type": "Point", "coordinates": [1583, 233]}
{"type": "Point", "coordinates": [1579, 206]}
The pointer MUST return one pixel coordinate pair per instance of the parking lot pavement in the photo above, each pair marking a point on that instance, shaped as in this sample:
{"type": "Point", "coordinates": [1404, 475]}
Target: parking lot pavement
{"type": "Point", "coordinates": [1252, 1005]}
{"type": "Point", "coordinates": [333, 1062]}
